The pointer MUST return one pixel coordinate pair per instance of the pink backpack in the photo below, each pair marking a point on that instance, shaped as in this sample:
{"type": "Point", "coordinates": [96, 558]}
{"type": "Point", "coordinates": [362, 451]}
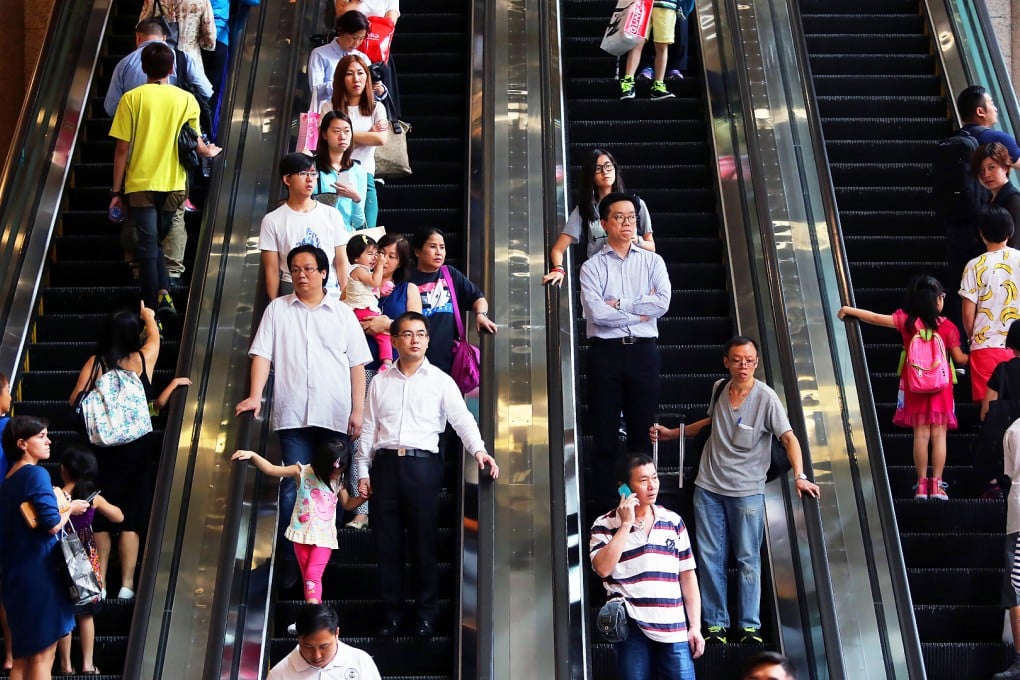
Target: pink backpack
{"type": "Point", "coordinates": [925, 366]}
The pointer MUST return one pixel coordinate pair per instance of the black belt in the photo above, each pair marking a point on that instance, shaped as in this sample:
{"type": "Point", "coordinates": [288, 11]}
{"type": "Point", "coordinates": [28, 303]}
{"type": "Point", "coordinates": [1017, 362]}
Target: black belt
{"type": "Point", "coordinates": [626, 340]}
{"type": "Point", "coordinates": [403, 452]}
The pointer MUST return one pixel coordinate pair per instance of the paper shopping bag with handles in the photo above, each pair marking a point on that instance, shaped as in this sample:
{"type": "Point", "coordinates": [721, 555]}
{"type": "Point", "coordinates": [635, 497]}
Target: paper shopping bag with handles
{"type": "Point", "coordinates": [308, 133]}
{"type": "Point", "coordinates": [627, 27]}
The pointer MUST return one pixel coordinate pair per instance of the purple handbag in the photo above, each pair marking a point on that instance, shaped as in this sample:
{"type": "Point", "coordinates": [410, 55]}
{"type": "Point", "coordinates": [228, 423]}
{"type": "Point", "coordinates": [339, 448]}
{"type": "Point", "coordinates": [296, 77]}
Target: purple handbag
{"type": "Point", "coordinates": [466, 369]}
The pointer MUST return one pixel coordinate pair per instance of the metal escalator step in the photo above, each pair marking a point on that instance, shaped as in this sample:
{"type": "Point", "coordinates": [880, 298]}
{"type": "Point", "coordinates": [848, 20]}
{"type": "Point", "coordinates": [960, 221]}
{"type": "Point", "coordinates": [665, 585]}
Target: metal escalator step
{"type": "Point", "coordinates": [933, 549]}
{"type": "Point", "coordinates": [872, 64]}
{"type": "Point", "coordinates": [959, 622]}
{"type": "Point", "coordinates": [871, 43]}
{"type": "Point", "coordinates": [78, 299]}
{"type": "Point", "coordinates": [880, 108]}
{"type": "Point", "coordinates": [71, 356]}
{"type": "Point", "coordinates": [896, 174]}
{"type": "Point", "coordinates": [966, 515]}
{"type": "Point", "coordinates": [888, 85]}
{"type": "Point", "coordinates": [353, 622]}
{"type": "Point", "coordinates": [879, 150]}
{"type": "Point", "coordinates": [638, 151]}
{"type": "Point", "coordinates": [959, 479]}
{"type": "Point", "coordinates": [873, 274]}
{"type": "Point", "coordinates": [902, 128]}
{"type": "Point", "coordinates": [863, 22]}
{"type": "Point", "coordinates": [955, 586]}
{"type": "Point", "coordinates": [909, 222]}
{"type": "Point", "coordinates": [897, 445]}
{"type": "Point", "coordinates": [93, 247]}
{"type": "Point", "coordinates": [593, 132]}
{"type": "Point", "coordinates": [640, 109]}
{"type": "Point", "coordinates": [901, 6]}
{"type": "Point", "coordinates": [955, 660]}
{"type": "Point", "coordinates": [424, 43]}
{"type": "Point", "coordinates": [433, 23]}
{"type": "Point", "coordinates": [113, 272]}
{"type": "Point", "coordinates": [867, 247]}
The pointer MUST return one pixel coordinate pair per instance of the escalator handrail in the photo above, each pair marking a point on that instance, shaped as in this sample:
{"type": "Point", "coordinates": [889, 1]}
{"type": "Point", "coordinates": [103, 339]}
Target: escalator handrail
{"type": "Point", "coordinates": [38, 162]}
{"type": "Point", "coordinates": [862, 379]}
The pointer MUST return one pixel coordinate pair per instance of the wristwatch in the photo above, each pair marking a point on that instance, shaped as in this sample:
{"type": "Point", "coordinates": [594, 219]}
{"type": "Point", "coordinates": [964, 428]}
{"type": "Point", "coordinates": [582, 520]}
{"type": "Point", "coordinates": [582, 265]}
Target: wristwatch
{"type": "Point", "coordinates": [801, 476]}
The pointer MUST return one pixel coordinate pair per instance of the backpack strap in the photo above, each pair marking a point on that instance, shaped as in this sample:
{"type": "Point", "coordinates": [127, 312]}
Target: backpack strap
{"type": "Point", "coordinates": [181, 64]}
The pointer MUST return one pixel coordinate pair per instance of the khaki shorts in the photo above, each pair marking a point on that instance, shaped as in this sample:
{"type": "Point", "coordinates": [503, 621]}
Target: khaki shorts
{"type": "Point", "coordinates": [172, 200]}
{"type": "Point", "coordinates": [662, 27]}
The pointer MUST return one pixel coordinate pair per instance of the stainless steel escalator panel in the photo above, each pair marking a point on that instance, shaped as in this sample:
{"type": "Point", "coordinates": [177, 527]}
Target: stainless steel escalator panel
{"type": "Point", "coordinates": [36, 170]}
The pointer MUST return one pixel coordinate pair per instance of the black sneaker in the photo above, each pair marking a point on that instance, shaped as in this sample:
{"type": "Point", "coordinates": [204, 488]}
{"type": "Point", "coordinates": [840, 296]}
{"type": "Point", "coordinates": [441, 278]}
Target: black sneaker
{"type": "Point", "coordinates": [751, 636]}
{"type": "Point", "coordinates": [627, 87]}
{"type": "Point", "coordinates": [715, 635]}
{"type": "Point", "coordinates": [165, 307]}
{"type": "Point", "coordinates": [659, 91]}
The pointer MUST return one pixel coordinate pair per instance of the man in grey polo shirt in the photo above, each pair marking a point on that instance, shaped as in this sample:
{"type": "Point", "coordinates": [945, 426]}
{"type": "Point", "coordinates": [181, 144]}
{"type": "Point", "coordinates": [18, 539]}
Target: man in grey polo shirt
{"type": "Point", "coordinates": [729, 493]}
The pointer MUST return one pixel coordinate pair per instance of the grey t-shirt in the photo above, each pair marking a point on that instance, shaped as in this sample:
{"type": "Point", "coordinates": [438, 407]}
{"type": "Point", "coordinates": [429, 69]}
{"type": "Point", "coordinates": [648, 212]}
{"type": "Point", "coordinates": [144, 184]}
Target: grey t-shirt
{"type": "Point", "coordinates": [736, 457]}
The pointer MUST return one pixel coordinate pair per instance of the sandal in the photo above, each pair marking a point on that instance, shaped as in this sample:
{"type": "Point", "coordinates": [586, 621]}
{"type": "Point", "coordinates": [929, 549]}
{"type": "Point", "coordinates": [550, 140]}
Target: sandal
{"type": "Point", "coordinates": [94, 671]}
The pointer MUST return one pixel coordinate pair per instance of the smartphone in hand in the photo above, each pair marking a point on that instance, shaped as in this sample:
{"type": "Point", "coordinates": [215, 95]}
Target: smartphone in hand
{"type": "Point", "coordinates": [624, 490]}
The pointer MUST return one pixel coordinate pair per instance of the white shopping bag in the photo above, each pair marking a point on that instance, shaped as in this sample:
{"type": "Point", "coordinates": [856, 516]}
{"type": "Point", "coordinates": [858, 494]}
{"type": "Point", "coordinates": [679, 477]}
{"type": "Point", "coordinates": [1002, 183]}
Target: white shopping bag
{"type": "Point", "coordinates": [627, 27]}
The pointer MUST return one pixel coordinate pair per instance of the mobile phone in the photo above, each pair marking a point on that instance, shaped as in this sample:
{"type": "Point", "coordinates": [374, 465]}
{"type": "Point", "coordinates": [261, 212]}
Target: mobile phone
{"type": "Point", "coordinates": [624, 490]}
{"type": "Point", "coordinates": [92, 497]}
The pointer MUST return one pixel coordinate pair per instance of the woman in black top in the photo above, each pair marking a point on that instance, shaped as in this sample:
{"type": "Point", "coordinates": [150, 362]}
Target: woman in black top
{"type": "Point", "coordinates": [992, 164]}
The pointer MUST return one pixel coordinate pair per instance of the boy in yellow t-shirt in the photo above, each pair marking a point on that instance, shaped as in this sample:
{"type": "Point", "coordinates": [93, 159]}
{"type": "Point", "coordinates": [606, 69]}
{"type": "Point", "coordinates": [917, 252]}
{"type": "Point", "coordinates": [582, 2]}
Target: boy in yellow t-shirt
{"type": "Point", "coordinates": [146, 169]}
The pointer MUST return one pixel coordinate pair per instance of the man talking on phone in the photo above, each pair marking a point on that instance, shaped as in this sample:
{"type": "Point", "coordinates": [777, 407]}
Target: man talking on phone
{"type": "Point", "coordinates": [636, 549]}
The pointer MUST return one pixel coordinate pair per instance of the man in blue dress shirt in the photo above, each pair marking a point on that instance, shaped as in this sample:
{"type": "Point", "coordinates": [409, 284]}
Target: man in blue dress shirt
{"type": "Point", "coordinates": [624, 290]}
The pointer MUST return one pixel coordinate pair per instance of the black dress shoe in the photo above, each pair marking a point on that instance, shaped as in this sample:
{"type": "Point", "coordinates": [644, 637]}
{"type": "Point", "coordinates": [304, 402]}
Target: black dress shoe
{"type": "Point", "coordinates": [389, 628]}
{"type": "Point", "coordinates": [423, 628]}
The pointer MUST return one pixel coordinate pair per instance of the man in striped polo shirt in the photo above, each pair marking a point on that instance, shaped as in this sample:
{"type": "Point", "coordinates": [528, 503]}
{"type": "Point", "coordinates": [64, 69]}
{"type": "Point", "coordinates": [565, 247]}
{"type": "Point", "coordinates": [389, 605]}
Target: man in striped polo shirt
{"type": "Point", "coordinates": [642, 552]}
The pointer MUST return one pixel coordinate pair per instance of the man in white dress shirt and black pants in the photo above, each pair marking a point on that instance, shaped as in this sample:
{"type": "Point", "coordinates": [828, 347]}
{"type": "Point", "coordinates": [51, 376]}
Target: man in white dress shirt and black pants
{"type": "Point", "coordinates": [407, 408]}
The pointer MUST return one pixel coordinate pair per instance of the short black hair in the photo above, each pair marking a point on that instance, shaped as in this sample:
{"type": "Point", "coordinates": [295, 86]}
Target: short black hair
{"type": "Point", "coordinates": [740, 341]}
{"type": "Point", "coordinates": [770, 658]}
{"type": "Point", "coordinates": [404, 318]}
{"type": "Point", "coordinates": [321, 260]}
{"type": "Point", "coordinates": [996, 224]}
{"type": "Point", "coordinates": [18, 428]}
{"type": "Point", "coordinates": [968, 102]}
{"type": "Point", "coordinates": [357, 245]}
{"type": "Point", "coordinates": [313, 618]}
{"type": "Point", "coordinates": [625, 464]}
{"type": "Point", "coordinates": [150, 27]}
{"type": "Point", "coordinates": [157, 60]}
{"type": "Point", "coordinates": [351, 22]}
{"type": "Point", "coordinates": [614, 197]}
{"type": "Point", "coordinates": [1013, 337]}
{"type": "Point", "coordinates": [296, 162]}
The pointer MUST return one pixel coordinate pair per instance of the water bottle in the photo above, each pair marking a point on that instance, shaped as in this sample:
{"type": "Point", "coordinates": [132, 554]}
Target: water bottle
{"type": "Point", "coordinates": [116, 213]}
{"type": "Point", "coordinates": [206, 162]}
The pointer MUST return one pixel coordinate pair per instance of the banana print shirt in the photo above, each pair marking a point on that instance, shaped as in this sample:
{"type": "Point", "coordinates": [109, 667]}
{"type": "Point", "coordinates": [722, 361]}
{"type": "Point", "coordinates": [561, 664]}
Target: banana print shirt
{"type": "Point", "coordinates": [991, 282]}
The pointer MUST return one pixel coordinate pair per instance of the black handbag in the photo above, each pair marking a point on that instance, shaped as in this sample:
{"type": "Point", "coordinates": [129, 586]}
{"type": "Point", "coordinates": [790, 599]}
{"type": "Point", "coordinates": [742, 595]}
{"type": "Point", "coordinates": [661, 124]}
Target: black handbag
{"type": "Point", "coordinates": [82, 582]}
{"type": "Point", "coordinates": [187, 148]}
{"type": "Point", "coordinates": [612, 621]}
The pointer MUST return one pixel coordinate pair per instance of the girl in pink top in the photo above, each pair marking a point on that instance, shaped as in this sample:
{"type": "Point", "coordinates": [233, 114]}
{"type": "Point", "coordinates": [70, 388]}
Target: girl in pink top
{"type": "Point", "coordinates": [930, 415]}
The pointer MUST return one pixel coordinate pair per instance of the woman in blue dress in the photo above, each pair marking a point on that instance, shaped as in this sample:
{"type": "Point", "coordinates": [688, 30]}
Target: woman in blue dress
{"type": "Point", "coordinates": [34, 593]}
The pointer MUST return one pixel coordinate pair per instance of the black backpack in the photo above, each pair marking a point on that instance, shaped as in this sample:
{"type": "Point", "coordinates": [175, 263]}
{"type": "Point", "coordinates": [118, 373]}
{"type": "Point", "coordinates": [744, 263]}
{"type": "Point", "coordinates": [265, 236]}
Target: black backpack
{"type": "Point", "coordinates": [959, 196]}
{"type": "Point", "coordinates": [184, 82]}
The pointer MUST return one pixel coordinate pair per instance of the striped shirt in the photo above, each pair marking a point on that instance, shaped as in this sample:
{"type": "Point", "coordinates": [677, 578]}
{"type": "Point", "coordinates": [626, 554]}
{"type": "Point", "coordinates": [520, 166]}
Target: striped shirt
{"type": "Point", "coordinates": [648, 573]}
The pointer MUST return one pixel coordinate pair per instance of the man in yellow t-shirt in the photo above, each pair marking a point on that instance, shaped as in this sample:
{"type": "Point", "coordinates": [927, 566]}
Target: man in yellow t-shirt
{"type": "Point", "coordinates": [146, 169]}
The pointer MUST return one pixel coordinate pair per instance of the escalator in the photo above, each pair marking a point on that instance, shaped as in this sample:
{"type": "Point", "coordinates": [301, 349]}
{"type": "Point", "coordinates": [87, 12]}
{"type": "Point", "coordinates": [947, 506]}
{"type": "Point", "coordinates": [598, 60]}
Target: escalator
{"type": "Point", "coordinates": [431, 51]}
{"type": "Point", "coordinates": [666, 155]}
{"type": "Point", "coordinates": [85, 277]}
{"type": "Point", "coordinates": [882, 106]}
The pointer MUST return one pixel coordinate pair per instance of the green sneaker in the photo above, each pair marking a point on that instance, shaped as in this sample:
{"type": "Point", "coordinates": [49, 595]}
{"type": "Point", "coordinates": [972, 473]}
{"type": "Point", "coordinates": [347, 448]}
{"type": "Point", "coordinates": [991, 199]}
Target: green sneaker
{"type": "Point", "coordinates": [715, 635]}
{"type": "Point", "coordinates": [659, 91]}
{"type": "Point", "coordinates": [752, 636]}
{"type": "Point", "coordinates": [627, 87]}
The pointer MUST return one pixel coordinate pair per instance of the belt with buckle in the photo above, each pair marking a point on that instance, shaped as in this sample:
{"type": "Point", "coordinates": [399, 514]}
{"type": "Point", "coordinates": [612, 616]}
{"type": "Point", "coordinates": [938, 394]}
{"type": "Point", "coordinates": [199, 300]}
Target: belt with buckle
{"type": "Point", "coordinates": [403, 452]}
{"type": "Point", "coordinates": [625, 340]}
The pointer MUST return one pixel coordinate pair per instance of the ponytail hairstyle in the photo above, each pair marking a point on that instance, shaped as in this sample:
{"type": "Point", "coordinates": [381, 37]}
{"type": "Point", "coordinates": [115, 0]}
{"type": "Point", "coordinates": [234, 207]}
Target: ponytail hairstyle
{"type": "Point", "coordinates": [82, 469]}
{"type": "Point", "coordinates": [358, 244]}
{"type": "Point", "coordinates": [923, 301]}
{"type": "Point", "coordinates": [329, 457]}
{"type": "Point", "coordinates": [587, 196]}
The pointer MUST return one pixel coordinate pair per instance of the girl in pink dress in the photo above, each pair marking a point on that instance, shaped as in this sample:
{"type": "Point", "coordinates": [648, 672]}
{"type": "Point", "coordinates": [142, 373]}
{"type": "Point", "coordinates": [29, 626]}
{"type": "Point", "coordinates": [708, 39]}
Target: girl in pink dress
{"type": "Point", "coordinates": [930, 415]}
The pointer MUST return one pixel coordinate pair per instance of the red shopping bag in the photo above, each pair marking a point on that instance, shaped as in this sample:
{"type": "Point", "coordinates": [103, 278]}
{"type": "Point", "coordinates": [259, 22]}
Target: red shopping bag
{"type": "Point", "coordinates": [308, 133]}
{"type": "Point", "coordinates": [377, 42]}
{"type": "Point", "coordinates": [627, 27]}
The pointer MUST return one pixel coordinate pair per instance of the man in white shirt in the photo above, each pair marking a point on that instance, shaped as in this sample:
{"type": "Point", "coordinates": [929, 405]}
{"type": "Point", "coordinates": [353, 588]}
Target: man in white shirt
{"type": "Point", "coordinates": [319, 654]}
{"type": "Point", "coordinates": [408, 407]}
{"type": "Point", "coordinates": [319, 353]}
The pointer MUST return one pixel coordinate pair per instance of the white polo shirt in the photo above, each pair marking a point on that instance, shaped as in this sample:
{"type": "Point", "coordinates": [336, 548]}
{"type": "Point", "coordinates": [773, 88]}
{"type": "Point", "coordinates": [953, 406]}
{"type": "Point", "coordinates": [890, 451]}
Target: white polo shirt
{"type": "Point", "coordinates": [349, 663]}
{"type": "Point", "coordinates": [312, 350]}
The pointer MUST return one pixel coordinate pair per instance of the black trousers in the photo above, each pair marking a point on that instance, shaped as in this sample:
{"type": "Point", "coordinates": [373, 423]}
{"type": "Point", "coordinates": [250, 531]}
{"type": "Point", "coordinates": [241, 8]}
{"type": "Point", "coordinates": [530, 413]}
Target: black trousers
{"type": "Point", "coordinates": [620, 378]}
{"type": "Point", "coordinates": [405, 506]}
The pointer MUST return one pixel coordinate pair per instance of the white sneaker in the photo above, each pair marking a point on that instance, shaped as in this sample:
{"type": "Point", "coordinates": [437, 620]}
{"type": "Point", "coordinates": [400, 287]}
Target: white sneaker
{"type": "Point", "coordinates": [125, 593]}
{"type": "Point", "coordinates": [292, 629]}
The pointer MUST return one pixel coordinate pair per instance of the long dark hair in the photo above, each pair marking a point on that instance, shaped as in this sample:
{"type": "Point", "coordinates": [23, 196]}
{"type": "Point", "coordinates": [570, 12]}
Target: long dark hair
{"type": "Point", "coordinates": [82, 469]}
{"type": "Point", "coordinates": [121, 337]}
{"type": "Point", "coordinates": [328, 457]}
{"type": "Point", "coordinates": [422, 236]}
{"type": "Point", "coordinates": [923, 302]}
{"type": "Point", "coordinates": [403, 252]}
{"type": "Point", "coordinates": [587, 195]}
{"type": "Point", "coordinates": [20, 427]}
{"type": "Point", "coordinates": [367, 104]}
{"type": "Point", "coordinates": [322, 161]}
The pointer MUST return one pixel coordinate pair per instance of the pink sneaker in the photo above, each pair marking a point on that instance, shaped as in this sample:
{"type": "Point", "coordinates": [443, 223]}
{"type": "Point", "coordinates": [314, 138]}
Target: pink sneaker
{"type": "Point", "coordinates": [937, 489]}
{"type": "Point", "coordinates": [921, 489]}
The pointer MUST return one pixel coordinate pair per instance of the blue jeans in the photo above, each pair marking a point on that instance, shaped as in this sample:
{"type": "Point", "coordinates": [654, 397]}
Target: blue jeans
{"type": "Point", "coordinates": [297, 446]}
{"type": "Point", "coordinates": [725, 523]}
{"type": "Point", "coordinates": [152, 275]}
{"type": "Point", "coordinates": [638, 658]}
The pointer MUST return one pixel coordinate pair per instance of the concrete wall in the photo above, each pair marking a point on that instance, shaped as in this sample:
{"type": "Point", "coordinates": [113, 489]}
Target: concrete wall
{"type": "Point", "coordinates": [1007, 32]}
{"type": "Point", "coordinates": [23, 25]}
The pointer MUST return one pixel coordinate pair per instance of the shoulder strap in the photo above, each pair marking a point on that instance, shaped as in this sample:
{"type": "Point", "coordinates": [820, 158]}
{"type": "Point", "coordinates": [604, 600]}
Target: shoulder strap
{"type": "Point", "coordinates": [716, 392]}
{"type": "Point", "coordinates": [182, 67]}
{"type": "Point", "coordinates": [142, 355]}
{"type": "Point", "coordinates": [453, 299]}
